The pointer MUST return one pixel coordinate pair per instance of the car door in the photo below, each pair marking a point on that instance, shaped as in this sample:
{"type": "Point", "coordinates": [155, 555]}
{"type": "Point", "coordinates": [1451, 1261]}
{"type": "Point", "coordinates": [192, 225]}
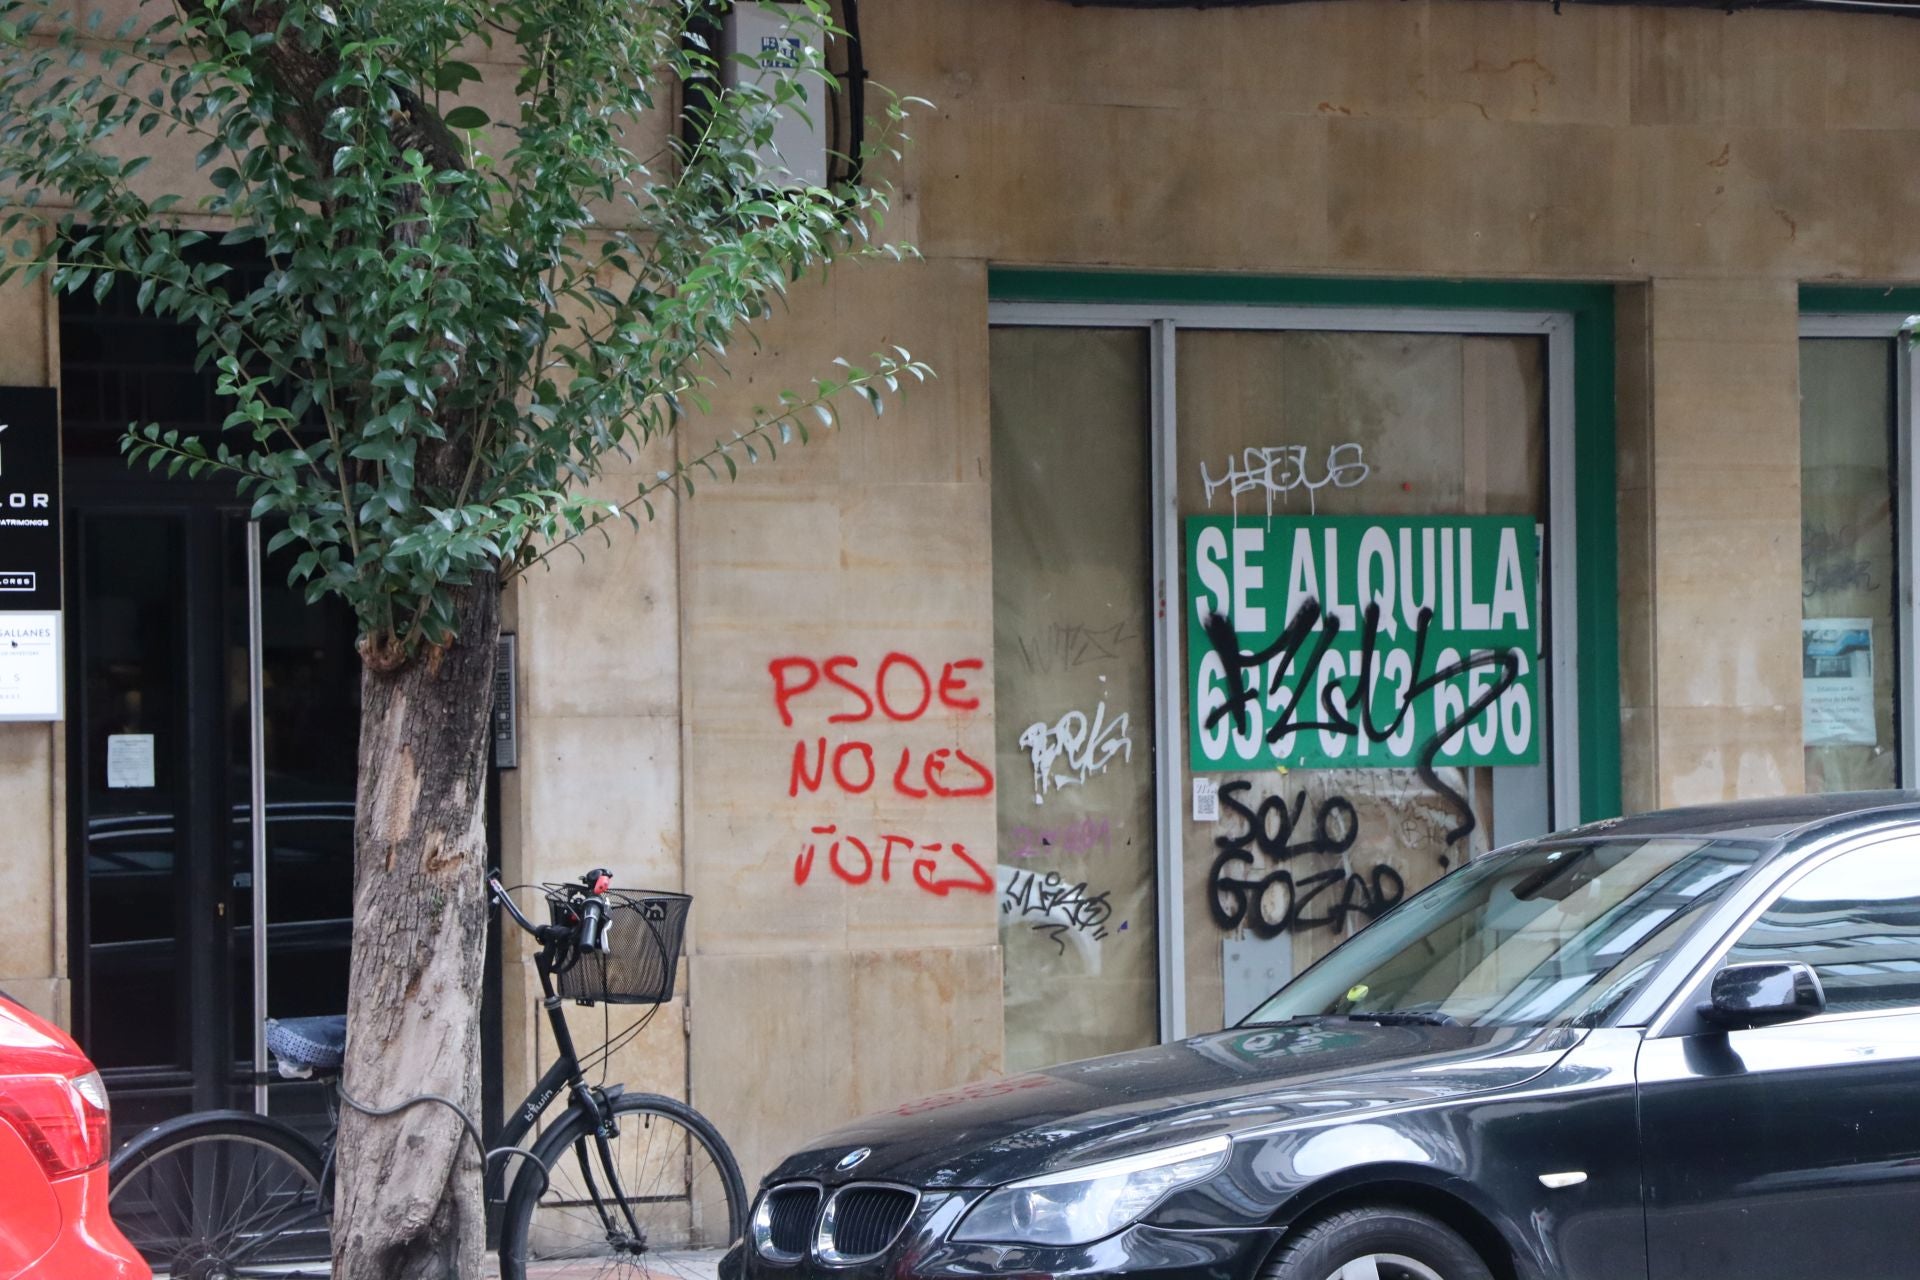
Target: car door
{"type": "Point", "coordinates": [1783, 1152]}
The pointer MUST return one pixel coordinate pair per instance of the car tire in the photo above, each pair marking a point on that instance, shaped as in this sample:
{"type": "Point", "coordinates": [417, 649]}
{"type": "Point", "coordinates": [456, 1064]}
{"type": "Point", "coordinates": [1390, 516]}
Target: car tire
{"type": "Point", "coordinates": [1376, 1242]}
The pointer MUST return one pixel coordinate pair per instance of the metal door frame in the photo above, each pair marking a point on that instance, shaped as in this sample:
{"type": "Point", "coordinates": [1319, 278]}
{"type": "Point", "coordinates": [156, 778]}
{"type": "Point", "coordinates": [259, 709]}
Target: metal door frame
{"type": "Point", "coordinates": [198, 884]}
{"type": "Point", "coordinates": [1162, 323]}
{"type": "Point", "coordinates": [1889, 326]}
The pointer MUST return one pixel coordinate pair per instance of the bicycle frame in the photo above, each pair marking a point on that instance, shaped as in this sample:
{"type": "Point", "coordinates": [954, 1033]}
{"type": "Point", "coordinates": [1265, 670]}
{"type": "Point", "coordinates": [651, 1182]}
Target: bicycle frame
{"type": "Point", "coordinates": [595, 1107]}
{"type": "Point", "coordinates": [565, 1075]}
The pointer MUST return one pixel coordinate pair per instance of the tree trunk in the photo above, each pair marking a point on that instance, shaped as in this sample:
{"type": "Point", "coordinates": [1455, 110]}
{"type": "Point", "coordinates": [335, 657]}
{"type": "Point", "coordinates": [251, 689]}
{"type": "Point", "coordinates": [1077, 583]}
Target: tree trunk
{"type": "Point", "coordinates": [408, 1202]}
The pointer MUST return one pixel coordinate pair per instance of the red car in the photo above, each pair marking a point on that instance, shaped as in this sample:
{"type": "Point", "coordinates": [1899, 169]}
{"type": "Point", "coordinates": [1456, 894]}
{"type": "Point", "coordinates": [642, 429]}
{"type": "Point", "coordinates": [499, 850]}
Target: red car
{"type": "Point", "coordinates": [53, 1160]}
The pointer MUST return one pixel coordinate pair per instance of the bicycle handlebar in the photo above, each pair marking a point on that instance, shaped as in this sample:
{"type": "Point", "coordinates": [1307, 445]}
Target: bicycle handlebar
{"type": "Point", "coordinates": [588, 906]}
{"type": "Point", "coordinates": [505, 899]}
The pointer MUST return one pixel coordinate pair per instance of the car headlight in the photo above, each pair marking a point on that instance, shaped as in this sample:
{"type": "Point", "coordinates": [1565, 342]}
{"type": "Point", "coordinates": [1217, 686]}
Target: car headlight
{"type": "Point", "coordinates": [1079, 1206]}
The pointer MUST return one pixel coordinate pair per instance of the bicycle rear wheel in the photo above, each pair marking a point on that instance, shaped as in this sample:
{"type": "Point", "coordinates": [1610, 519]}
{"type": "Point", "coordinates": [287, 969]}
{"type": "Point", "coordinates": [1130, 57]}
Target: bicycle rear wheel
{"type": "Point", "coordinates": [669, 1202]}
{"type": "Point", "coordinates": [222, 1193]}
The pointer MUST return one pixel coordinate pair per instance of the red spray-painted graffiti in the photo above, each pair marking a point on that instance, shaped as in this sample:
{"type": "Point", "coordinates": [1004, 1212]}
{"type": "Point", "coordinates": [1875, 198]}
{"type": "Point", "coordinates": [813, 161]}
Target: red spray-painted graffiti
{"type": "Point", "coordinates": [852, 859]}
{"type": "Point", "coordinates": [853, 771]}
{"type": "Point", "coordinates": [900, 690]}
{"type": "Point", "coordinates": [952, 684]}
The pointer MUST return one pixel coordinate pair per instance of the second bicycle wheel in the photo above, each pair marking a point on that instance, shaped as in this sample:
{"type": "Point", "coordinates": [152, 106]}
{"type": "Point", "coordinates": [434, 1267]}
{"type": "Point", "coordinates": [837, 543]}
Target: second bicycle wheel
{"type": "Point", "coordinates": [222, 1193]}
{"type": "Point", "coordinates": [668, 1203]}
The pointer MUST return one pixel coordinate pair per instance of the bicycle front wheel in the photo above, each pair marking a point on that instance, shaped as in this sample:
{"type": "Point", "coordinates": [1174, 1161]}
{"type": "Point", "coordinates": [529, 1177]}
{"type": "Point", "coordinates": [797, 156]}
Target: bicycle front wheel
{"type": "Point", "coordinates": [663, 1197]}
{"type": "Point", "coordinates": [222, 1193]}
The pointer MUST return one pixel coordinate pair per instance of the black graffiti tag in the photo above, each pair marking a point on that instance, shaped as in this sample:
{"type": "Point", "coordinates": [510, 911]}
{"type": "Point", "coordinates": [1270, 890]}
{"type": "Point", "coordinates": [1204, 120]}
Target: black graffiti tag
{"type": "Point", "coordinates": [1063, 906]}
{"type": "Point", "coordinates": [1310, 619]}
{"type": "Point", "coordinates": [1279, 902]}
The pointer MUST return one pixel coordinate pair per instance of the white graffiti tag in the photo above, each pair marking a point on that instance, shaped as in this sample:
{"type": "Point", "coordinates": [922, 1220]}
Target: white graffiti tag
{"type": "Point", "coordinates": [1084, 746]}
{"type": "Point", "coordinates": [1282, 469]}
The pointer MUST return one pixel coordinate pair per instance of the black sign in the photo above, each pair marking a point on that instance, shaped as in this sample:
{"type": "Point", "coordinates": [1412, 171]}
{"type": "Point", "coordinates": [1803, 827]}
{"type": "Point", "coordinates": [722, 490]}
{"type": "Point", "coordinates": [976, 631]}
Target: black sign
{"type": "Point", "coordinates": [29, 500]}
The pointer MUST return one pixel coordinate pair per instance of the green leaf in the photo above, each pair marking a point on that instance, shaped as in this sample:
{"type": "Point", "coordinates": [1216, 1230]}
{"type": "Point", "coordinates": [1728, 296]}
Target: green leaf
{"type": "Point", "coordinates": [468, 117]}
{"type": "Point", "coordinates": [451, 75]}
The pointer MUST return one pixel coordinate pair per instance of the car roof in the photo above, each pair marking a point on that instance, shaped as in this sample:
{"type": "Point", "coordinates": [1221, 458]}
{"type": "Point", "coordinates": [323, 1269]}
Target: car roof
{"type": "Point", "coordinates": [1783, 821]}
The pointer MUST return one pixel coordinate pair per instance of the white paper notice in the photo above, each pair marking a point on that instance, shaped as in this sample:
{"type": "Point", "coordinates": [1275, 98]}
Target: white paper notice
{"type": "Point", "coordinates": [130, 760]}
{"type": "Point", "coordinates": [1206, 800]}
{"type": "Point", "coordinates": [29, 666]}
{"type": "Point", "coordinates": [1836, 687]}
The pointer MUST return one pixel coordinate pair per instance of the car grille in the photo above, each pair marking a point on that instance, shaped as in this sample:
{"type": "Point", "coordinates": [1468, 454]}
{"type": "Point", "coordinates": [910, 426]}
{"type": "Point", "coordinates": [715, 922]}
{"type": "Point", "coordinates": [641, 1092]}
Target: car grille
{"type": "Point", "coordinates": [790, 1213]}
{"type": "Point", "coordinates": [864, 1220]}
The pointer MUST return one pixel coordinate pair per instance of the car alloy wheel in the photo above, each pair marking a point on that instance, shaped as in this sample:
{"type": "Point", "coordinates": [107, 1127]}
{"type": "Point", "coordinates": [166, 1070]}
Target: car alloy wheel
{"type": "Point", "coordinates": [1386, 1266]}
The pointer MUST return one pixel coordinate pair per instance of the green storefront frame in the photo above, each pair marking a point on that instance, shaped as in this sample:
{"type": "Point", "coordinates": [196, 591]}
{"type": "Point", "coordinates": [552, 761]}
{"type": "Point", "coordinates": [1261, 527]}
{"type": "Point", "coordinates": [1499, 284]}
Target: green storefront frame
{"type": "Point", "coordinates": [1853, 299]}
{"type": "Point", "coordinates": [1591, 308]}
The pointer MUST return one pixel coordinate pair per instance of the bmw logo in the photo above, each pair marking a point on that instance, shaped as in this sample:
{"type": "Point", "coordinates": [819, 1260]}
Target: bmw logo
{"type": "Point", "coordinates": [852, 1158]}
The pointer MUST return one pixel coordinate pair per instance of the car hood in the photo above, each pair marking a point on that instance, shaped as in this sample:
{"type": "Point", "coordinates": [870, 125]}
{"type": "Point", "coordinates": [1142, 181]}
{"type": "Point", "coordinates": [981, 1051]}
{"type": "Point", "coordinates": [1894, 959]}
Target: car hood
{"type": "Point", "coordinates": [999, 1130]}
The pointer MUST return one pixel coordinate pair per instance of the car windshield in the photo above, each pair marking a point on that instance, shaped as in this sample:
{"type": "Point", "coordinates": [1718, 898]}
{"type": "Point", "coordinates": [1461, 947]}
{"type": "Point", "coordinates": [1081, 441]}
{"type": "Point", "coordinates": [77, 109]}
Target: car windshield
{"type": "Point", "coordinates": [1546, 933]}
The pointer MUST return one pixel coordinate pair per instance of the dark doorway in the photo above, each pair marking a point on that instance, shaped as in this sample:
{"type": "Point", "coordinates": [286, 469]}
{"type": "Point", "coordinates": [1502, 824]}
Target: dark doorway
{"type": "Point", "coordinates": [159, 732]}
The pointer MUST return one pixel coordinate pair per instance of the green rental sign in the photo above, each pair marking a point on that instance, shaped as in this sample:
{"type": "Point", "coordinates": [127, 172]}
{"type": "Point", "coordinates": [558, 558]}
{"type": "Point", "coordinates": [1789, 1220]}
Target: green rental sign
{"type": "Point", "coordinates": [1290, 619]}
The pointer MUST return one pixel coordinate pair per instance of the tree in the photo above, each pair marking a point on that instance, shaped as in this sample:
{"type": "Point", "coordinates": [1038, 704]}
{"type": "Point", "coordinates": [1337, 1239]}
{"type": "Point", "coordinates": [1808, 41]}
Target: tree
{"type": "Point", "coordinates": [460, 321]}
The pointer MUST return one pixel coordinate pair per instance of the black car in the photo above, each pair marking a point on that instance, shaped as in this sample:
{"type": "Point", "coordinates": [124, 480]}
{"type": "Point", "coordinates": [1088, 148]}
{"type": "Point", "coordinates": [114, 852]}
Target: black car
{"type": "Point", "coordinates": [1683, 1045]}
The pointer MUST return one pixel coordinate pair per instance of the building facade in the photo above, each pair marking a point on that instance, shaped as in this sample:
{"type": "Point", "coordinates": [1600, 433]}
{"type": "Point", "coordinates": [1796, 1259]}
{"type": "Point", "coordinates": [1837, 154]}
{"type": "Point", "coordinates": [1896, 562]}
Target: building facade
{"type": "Point", "coordinates": [1579, 329]}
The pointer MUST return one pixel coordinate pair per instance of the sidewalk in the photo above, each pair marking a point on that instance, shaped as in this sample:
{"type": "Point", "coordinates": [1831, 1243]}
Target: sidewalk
{"type": "Point", "coordinates": [704, 1265]}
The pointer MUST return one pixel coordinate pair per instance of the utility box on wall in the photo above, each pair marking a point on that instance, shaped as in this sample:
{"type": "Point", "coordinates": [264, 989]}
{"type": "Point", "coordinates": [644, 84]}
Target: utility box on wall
{"type": "Point", "coordinates": [773, 40]}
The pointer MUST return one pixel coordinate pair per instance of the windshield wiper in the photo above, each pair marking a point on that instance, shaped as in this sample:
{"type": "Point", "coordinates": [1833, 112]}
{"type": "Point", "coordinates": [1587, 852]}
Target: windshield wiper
{"type": "Point", "coordinates": [1384, 1018]}
{"type": "Point", "coordinates": [1407, 1018]}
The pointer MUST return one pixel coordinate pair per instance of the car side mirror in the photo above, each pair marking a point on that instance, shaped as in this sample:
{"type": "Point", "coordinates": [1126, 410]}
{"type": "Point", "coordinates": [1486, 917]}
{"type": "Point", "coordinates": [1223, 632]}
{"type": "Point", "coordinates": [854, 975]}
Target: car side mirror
{"type": "Point", "coordinates": [1763, 994]}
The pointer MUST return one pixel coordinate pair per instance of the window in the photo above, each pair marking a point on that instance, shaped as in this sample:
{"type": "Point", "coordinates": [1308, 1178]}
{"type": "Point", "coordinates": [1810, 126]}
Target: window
{"type": "Point", "coordinates": [1543, 934]}
{"type": "Point", "coordinates": [1851, 389]}
{"type": "Point", "coordinates": [1856, 920]}
{"type": "Point", "coordinates": [1073, 691]}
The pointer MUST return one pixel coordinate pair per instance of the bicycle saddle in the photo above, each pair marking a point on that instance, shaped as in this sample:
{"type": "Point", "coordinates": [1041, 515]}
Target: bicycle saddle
{"type": "Point", "coordinates": [305, 1045]}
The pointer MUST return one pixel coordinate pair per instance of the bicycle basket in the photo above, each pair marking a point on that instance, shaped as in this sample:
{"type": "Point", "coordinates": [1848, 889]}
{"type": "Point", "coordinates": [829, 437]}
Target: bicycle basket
{"type": "Point", "coordinates": [644, 931]}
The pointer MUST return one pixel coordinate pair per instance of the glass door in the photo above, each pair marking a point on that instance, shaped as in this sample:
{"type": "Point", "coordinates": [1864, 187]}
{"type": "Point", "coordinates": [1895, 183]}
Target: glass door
{"type": "Point", "coordinates": [1342, 469]}
{"type": "Point", "coordinates": [1854, 396]}
{"type": "Point", "coordinates": [160, 721]}
{"type": "Point", "coordinates": [145, 924]}
{"type": "Point", "coordinates": [308, 718]}
{"type": "Point", "coordinates": [159, 798]}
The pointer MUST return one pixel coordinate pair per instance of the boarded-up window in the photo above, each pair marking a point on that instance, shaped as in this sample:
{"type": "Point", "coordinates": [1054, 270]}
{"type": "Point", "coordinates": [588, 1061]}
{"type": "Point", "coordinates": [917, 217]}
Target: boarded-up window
{"type": "Point", "coordinates": [1386, 425]}
{"type": "Point", "coordinates": [1073, 696]}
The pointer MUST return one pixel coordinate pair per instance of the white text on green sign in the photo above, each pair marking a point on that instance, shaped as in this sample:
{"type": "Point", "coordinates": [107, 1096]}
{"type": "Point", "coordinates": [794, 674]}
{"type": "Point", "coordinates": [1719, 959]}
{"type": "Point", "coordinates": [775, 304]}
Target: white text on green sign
{"type": "Point", "coordinates": [1290, 619]}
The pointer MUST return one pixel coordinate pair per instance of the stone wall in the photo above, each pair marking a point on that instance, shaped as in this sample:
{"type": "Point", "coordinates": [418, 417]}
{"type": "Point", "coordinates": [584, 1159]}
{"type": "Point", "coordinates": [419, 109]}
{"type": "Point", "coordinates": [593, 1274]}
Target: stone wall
{"type": "Point", "coordinates": [1709, 478]}
{"type": "Point", "coordinates": [1431, 137]}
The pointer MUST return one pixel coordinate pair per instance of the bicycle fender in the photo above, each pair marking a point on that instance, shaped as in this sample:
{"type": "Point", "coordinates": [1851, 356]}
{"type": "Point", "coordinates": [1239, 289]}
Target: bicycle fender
{"type": "Point", "coordinates": [166, 1129]}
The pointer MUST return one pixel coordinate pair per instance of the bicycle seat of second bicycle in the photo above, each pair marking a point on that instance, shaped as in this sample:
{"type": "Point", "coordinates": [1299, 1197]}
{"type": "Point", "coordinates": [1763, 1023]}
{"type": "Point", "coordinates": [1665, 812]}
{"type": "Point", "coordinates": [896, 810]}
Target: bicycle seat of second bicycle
{"type": "Point", "coordinates": [302, 1046]}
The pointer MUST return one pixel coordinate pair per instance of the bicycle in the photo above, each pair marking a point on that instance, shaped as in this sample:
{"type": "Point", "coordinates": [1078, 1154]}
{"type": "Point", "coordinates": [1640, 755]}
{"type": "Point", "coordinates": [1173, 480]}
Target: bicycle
{"type": "Point", "coordinates": [639, 1184]}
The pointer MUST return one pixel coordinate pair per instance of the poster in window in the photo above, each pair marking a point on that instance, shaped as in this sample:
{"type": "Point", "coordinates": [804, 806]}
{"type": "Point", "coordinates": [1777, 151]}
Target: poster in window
{"type": "Point", "coordinates": [1836, 668]}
